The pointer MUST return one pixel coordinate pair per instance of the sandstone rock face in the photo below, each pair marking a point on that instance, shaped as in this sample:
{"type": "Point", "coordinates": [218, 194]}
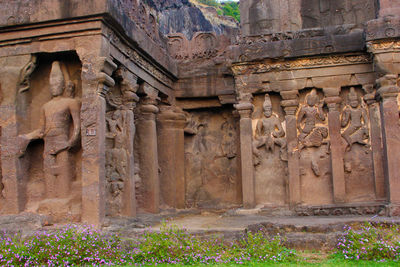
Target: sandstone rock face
{"type": "Point", "coordinates": [187, 18]}
{"type": "Point", "coordinates": [267, 16]}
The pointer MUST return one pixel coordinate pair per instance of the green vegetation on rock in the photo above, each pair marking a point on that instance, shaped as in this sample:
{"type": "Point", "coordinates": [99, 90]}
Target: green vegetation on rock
{"type": "Point", "coordinates": [226, 8]}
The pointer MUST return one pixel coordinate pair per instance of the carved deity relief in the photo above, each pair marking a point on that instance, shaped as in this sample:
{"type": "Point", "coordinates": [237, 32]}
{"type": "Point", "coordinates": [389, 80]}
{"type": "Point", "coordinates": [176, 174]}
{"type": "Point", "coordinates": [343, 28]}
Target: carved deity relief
{"type": "Point", "coordinates": [311, 134]}
{"type": "Point", "coordinates": [357, 158]}
{"type": "Point", "coordinates": [120, 101]}
{"type": "Point", "coordinates": [269, 132]}
{"type": "Point", "coordinates": [313, 150]}
{"type": "Point", "coordinates": [59, 128]}
{"type": "Point", "coordinates": [116, 156]}
{"type": "Point", "coordinates": [354, 117]}
{"type": "Point", "coordinates": [269, 151]}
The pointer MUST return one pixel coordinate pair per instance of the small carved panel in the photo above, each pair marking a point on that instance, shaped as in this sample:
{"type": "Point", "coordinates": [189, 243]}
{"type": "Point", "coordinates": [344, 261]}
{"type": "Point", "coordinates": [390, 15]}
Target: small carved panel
{"type": "Point", "coordinates": [269, 150]}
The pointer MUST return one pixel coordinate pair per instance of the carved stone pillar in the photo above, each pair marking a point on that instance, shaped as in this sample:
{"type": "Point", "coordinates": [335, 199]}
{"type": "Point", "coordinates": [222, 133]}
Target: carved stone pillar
{"type": "Point", "coordinates": [128, 88]}
{"type": "Point", "coordinates": [148, 151]}
{"type": "Point", "coordinates": [96, 81]}
{"type": "Point", "coordinates": [245, 109]}
{"type": "Point", "coordinates": [336, 144]}
{"type": "Point", "coordinates": [387, 93]}
{"type": "Point", "coordinates": [376, 142]}
{"type": "Point", "coordinates": [290, 103]}
{"type": "Point", "coordinates": [171, 156]}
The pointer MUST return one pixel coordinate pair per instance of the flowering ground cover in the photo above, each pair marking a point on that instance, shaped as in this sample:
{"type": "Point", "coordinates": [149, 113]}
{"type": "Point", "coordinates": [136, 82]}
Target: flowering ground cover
{"type": "Point", "coordinates": [370, 245]}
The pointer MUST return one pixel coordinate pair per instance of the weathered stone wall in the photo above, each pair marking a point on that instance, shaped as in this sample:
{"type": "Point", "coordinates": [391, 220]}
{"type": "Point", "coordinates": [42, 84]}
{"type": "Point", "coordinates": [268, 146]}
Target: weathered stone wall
{"type": "Point", "coordinates": [211, 160]}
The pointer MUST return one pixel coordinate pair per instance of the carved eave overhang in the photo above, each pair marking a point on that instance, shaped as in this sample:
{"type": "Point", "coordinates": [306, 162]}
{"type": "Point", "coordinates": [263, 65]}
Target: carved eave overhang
{"type": "Point", "coordinates": [163, 78]}
{"type": "Point", "coordinates": [383, 40]}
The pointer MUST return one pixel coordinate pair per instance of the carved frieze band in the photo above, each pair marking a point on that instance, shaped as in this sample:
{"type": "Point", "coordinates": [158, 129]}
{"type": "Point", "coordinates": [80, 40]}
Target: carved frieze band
{"type": "Point", "coordinates": [384, 46]}
{"type": "Point", "coordinates": [262, 67]}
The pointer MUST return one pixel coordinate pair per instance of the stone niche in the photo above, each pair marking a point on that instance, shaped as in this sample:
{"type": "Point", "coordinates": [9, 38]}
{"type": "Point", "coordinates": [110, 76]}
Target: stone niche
{"type": "Point", "coordinates": [313, 149]}
{"type": "Point", "coordinates": [211, 159]}
{"type": "Point", "coordinates": [269, 151]}
{"type": "Point", "coordinates": [48, 116]}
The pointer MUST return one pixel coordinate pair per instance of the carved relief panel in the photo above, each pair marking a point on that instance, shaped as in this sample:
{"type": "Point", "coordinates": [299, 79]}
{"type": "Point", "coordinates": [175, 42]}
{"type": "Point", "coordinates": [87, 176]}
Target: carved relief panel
{"type": "Point", "coordinates": [121, 100]}
{"type": "Point", "coordinates": [358, 166]}
{"type": "Point", "coordinates": [313, 149]}
{"type": "Point", "coordinates": [211, 159]}
{"type": "Point", "coordinates": [49, 141]}
{"type": "Point", "coordinates": [269, 151]}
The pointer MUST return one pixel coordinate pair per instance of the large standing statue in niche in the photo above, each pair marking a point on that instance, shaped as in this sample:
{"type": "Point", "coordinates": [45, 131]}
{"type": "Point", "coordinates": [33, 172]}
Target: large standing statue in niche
{"type": "Point", "coordinates": [57, 117]}
{"type": "Point", "coordinates": [269, 132]}
{"type": "Point", "coordinates": [356, 118]}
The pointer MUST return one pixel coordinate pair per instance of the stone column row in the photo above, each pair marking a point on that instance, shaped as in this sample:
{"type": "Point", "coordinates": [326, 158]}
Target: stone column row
{"type": "Point", "coordinates": [160, 132]}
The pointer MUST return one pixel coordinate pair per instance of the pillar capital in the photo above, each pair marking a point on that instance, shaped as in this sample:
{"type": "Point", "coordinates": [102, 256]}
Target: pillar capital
{"type": "Point", "coordinates": [333, 102]}
{"type": "Point", "coordinates": [388, 89]}
{"type": "Point", "coordinates": [105, 81]}
{"type": "Point", "coordinates": [290, 101]}
{"type": "Point", "coordinates": [172, 117]}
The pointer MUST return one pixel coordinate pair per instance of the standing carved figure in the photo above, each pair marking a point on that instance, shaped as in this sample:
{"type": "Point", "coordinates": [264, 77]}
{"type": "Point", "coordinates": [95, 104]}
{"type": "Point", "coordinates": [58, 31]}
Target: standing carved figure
{"type": "Point", "coordinates": [310, 135]}
{"type": "Point", "coordinates": [356, 118]}
{"type": "Point", "coordinates": [269, 132]}
{"type": "Point", "coordinates": [56, 119]}
{"type": "Point", "coordinates": [117, 156]}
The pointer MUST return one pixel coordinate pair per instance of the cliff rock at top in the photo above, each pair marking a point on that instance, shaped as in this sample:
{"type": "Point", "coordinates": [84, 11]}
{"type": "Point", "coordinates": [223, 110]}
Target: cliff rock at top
{"type": "Point", "coordinates": [189, 17]}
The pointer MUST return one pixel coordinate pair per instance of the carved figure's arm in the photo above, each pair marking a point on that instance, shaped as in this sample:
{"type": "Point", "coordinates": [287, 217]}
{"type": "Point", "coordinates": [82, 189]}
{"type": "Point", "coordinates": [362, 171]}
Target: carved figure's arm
{"type": "Point", "coordinates": [345, 117]}
{"type": "Point", "coordinates": [75, 114]}
{"type": "Point", "coordinates": [321, 114]}
{"type": "Point", "coordinates": [364, 116]}
{"type": "Point", "coordinates": [278, 131]}
{"type": "Point", "coordinates": [25, 139]}
{"type": "Point", "coordinates": [259, 128]}
{"type": "Point", "coordinates": [300, 118]}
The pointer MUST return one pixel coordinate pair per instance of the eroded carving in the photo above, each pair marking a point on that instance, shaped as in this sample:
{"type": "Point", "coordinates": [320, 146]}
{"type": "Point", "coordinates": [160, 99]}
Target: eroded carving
{"type": "Point", "coordinates": [57, 117]}
{"type": "Point", "coordinates": [24, 81]}
{"type": "Point", "coordinates": [355, 118]}
{"type": "Point", "coordinates": [121, 100]}
{"type": "Point", "coordinates": [116, 158]}
{"type": "Point", "coordinates": [269, 132]}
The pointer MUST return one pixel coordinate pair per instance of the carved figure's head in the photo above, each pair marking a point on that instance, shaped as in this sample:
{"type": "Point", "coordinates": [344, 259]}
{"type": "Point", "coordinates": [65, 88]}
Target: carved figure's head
{"type": "Point", "coordinates": [312, 98]}
{"type": "Point", "coordinates": [267, 106]}
{"type": "Point", "coordinates": [57, 82]}
{"type": "Point", "coordinates": [353, 98]}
